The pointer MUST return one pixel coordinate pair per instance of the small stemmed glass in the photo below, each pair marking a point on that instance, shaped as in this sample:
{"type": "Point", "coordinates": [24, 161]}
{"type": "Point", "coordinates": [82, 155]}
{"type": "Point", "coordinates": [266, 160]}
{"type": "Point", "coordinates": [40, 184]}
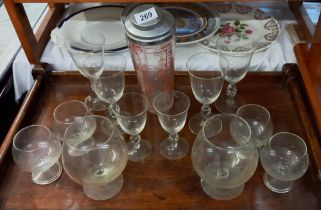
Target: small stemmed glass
{"type": "Point", "coordinates": [234, 59]}
{"type": "Point", "coordinates": [89, 59]}
{"type": "Point", "coordinates": [284, 159]}
{"type": "Point", "coordinates": [109, 87]}
{"type": "Point", "coordinates": [36, 150]}
{"type": "Point", "coordinates": [171, 108]}
{"type": "Point", "coordinates": [206, 85]}
{"type": "Point", "coordinates": [131, 113]}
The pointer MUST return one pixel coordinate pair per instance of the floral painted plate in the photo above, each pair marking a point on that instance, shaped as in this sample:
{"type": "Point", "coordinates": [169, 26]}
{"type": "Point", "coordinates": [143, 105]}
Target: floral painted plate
{"type": "Point", "coordinates": [194, 21]}
{"type": "Point", "coordinates": [241, 25]}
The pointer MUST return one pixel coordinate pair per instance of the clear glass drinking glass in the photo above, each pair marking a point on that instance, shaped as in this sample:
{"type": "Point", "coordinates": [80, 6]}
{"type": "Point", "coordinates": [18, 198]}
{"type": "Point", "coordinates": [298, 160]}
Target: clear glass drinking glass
{"type": "Point", "coordinates": [65, 114]}
{"type": "Point", "coordinates": [284, 159]}
{"type": "Point", "coordinates": [259, 119]}
{"type": "Point", "coordinates": [94, 155]}
{"type": "Point", "coordinates": [206, 82]}
{"type": "Point", "coordinates": [87, 52]}
{"type": "Point", "coordinates": [109, 87]}
{"type": "Point", "coordinates": [234, 59]}
{"type": "Point", "coordinates": [223, 156]}
{"type": "Point", "coordinates": [36, 150]}
{"type": "Point", "coordinates": [171, 108]}
{"type": "Point", "coordinates": [131, 113]}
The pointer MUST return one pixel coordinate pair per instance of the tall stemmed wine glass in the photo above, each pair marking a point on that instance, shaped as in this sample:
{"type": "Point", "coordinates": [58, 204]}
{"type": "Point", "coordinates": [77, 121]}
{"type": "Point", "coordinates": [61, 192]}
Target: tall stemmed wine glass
{"type": "Point", "coordinates": [206, 82]}
{"type": "Point", "coordinates": [223, 156]}
{"type": "Point", "coordinates": [131, 113]}
{"type": "Point", "coordinates": [87, 52]}
{"type": "Point", "coordinates": [234, 59]}
{"type": "Point", "coordinates": [36, 150]}
{"type": "Point", "coordinates": [171, 108]}
{"type": "Point", "coordinates": [109, 87]}
{"type": "Point", "coordinates": [284, 159]}
{"type": "Point", "coordinates": [94, 155]}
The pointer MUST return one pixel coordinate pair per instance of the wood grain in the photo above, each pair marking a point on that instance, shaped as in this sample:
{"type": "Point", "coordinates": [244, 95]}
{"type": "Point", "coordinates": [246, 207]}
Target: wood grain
{"type": "Point", "coordinates": [158, 183]}
{"type": "Point", "coordinates": [309, 62]}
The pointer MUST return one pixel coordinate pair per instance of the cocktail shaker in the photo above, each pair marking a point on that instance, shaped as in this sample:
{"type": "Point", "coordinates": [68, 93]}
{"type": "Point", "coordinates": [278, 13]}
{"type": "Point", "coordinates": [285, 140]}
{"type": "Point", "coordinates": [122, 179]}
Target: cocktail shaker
{"type": "Point", "coordinates": [150, 31]}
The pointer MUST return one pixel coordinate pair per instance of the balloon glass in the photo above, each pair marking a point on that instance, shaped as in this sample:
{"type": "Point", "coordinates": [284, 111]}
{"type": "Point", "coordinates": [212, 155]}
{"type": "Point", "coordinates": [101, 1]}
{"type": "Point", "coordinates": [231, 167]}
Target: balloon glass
{"type": "Point", "coordinates": [284, 159]}
{"type": "Point", "coordinates": [65, 114]}
{"type": "Point", "coordinates": [259, 119]}
{"type": "Point", "coordinates": [223, 156]}
{"type": "Point", "coordinates": [36, 150]}
{"type": "Point", "coordinates": [94, 155]}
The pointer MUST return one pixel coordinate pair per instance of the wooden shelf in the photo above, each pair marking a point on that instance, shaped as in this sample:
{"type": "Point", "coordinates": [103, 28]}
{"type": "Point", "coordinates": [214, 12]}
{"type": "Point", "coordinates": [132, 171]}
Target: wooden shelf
{"type": "Point", "coordinates": [309, 61]}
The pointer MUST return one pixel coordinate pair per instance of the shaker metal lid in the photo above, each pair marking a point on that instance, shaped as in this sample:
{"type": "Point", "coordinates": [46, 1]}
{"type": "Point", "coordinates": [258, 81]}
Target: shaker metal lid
{"type": "Point", "coordinates": [151, 31]}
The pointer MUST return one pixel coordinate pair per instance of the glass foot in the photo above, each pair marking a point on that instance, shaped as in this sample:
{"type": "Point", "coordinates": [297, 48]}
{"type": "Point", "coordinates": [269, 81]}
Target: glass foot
{"type": "Point", "coordinates": [221, 194]}
{"type": "Point", "coordinates": [196, 123]}
{"type": "Point", "coordinates": [144, 150]}
{"type": "Point", "coordinates": [228, 104]}
{"type": "Point", "coordinates": [276, 185]}
{"type": "Point", "coordinates": [49, 176]}
{"type": "Point", "coordinates": [104, 192]}
{"type": "Point", "coordinates": [174, 153]}
{"type": "Point", "coordinates": [95, 104]}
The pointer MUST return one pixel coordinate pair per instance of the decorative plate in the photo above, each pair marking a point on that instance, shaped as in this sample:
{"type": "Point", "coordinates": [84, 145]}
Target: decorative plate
{"type": "Point", "coordinates": [104, 19]}
{"type": "Point", "coordinates": [194, 21]}
{"type": "Point", "coordinates": [242, 25]}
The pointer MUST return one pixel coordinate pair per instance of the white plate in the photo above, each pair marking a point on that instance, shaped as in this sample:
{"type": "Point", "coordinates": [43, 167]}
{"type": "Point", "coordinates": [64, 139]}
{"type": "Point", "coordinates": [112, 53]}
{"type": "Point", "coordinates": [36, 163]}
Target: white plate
{"type": "Point", "coordinates": [242, 25]}
{"type": "Point", "coordinates": [104, 19]}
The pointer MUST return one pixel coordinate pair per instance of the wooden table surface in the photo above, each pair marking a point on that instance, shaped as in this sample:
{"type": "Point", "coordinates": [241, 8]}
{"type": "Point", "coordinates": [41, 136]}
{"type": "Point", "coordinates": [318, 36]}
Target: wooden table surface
{"type": "Point", "coordinates": [158, 183]}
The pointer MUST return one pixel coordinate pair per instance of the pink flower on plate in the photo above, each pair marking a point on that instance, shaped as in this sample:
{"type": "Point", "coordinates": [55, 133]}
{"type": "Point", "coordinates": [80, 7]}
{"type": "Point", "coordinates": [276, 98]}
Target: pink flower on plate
{"type": "Point", "coordinates": [227, 29]}
{"type": "Point", "coordinates": [248, 32]}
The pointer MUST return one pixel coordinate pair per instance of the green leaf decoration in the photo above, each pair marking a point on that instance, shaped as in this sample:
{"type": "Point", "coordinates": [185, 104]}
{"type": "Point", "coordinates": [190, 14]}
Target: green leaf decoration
{"type": "Point", "coordinates": [243, 25]}
{"type": "Point", "coordinates": [237, 22]}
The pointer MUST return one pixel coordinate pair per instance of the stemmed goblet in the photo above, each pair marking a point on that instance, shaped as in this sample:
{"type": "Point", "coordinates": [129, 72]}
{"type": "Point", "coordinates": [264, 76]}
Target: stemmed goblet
{"type": "Point", "coordinates": [234, 59]}
{"type": "Point", "coordinates": [87, 52]}
{"type": "Point", "coordinates": [109, 87]}
{"type": "Point", "coordinates": [100, 158]}
{"type": "Point", "coordinates": [259, 119]}
{"type": "Point", "coordinates": [223, 156]}
{"type": "Point", "coordinates": [65, 114]}
{"type": "Point", "coordinates": [131, 113]}
{"type": "Point", "coordinates": [171, 108]}
{"type": "Point", "coordinates": [206, 82]}
{"type": "Point", "coordinates": [284, 159]}
{"type": "Point", "coordinates": [36, 150]}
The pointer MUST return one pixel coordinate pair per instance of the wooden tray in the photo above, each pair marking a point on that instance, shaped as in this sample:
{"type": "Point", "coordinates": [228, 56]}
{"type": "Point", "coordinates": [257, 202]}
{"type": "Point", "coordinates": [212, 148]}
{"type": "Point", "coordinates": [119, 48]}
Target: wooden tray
{"type": "Point", "coordinates": [158, 183]}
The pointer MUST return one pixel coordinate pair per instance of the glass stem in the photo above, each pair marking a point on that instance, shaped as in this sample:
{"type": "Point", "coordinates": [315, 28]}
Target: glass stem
{"type": "Point", "coordinates": [111, 113]}
{"type": "Point", "coordinates": [206, 111]}
{"type": "Point", "coordinates": [173, 138]}
{"type": "Point", "coordinates": [135, 140]}
{"type": "Point", "coordinates": [231, 90]}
